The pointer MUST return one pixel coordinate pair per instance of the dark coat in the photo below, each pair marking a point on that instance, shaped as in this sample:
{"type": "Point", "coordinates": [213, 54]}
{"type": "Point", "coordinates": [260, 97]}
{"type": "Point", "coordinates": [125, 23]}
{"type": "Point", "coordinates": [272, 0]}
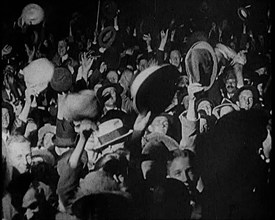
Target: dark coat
{"type": "Point", "coordinates": [234, 175]}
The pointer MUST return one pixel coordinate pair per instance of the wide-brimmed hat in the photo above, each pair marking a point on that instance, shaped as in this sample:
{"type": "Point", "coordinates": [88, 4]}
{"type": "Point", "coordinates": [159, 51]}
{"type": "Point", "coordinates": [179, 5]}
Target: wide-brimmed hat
{"type": "Point", "coordinates": [201, 64]}
{"type": "Point", "coordinates": [111, 131]}
{"type": "Point", "coordinates": [107, 37]}
{"type": "Point", "coordinates": [62, 79]}
{"type": "Point", "coordinates": [154, 88]}
{"type": "Point", "coordinates": [32, 14]}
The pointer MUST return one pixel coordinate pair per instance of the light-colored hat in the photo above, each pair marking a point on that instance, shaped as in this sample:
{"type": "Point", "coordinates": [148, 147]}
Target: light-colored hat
{"type": "Point", "coordinates": [38, 74]}
{"type": "Point", "coordinates": [32, 14]}
{"type": "Point", "coordinates": [78, 106]}
{"type": "Point", "coordinates": [110, 132]}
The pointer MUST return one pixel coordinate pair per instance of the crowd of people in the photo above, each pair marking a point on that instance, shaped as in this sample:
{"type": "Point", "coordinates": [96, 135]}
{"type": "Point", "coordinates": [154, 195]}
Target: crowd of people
{"type": "Point", "coordinates": [87, 134]}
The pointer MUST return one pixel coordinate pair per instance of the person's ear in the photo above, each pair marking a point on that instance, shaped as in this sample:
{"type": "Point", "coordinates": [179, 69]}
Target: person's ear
{"type": "Point", "coordinates": [150, 128]}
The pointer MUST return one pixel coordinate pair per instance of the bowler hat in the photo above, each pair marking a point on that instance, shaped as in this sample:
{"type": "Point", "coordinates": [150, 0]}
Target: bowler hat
{"type": "Point", "coordinates": [154, 88]}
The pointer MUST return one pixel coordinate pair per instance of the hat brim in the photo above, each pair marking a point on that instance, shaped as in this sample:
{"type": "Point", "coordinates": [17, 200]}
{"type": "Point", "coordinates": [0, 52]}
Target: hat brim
{"type": "Point", "coordinates": [116, 140]}
{"type": "Point", "coordinates": [154, 88]}
{"type": "Point", "coordinates": [216, 110]}
{"type": "Point", "coordinates": [109, 42]}
{"type": "Point", "coordinates": [46, 156]}
{"type": "Point", "coordinates": [190, 66]}
{"type": "Point", "coordinates": [241, 16]}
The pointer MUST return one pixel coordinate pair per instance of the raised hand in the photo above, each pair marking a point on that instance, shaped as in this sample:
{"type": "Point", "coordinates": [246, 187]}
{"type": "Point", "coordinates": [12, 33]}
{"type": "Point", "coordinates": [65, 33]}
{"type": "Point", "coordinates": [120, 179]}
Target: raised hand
{"type": "Point", "coordinates": [141, 121]}
{"type": "Point", "coordinates": [6, 50]}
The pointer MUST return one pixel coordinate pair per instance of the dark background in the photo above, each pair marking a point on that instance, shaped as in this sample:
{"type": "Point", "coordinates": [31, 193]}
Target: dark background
{"type": "Point", "coordinates": [58, 12]}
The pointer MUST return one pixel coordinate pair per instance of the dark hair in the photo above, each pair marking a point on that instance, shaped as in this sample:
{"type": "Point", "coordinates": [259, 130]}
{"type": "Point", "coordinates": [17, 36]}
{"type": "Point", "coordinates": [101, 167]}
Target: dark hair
{"type": "Point", "coordinates": [9, 107]}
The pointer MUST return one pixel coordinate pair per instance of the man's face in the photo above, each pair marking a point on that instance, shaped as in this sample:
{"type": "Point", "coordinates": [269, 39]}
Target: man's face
{"type": "Point", "coordinates": [112, 100]}
{"type": "Point", "coordinates": [181, 170]}
{"type": "Point", "coordinates": [143, 64]}
{"type": "Point", "coordinates": [175, 58]}
{"type": "Point", "coordinates": [5, 118]}
{"type": "Point", "coordinates": [231, 85]}
{"type": "Point", "coordinates": [112, 76]}
{"type": "Point", "coordinates": [246, 99]}
{"type": "Point", "coordinates": [160, 124]}
{"type": "Point", "coordinates": [20, 156]}
{"type": "Point", "coordinates": [62, 48]}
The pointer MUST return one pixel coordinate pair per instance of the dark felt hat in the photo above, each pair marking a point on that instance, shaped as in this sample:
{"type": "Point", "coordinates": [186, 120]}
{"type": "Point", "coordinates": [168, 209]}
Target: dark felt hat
{"type": "Point", "coordinates": [107, 37]}
{"type": "Point", "coordinates": [201, 64]}
{"type": "Point", "coordinates": [62, 79]}
{"type": "Point", "coordinates": [111, 57]}
{"type": "Point", "coordinates": [65, 134]}
{"type": "Point", "coordinates": [154, 88]}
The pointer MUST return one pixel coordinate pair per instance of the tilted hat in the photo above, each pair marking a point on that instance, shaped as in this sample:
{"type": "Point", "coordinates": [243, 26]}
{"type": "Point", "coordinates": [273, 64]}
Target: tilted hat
{"type": "Point", "coordinates": [32, 14]}
{"type": "Point", "coordinates": [201, 64]}
{"type": "Point", "coordinates": [107, 37]}
{"type": "Point", "coordinates": [154, 88]}
{"type": "Point", "coordinates": [111, 131]}
{"type": "Point", "coordinates": [62, 79]}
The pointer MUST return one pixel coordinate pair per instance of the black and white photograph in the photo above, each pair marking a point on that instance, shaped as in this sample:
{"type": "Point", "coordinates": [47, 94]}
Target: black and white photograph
{"type": "Point", "coordinates": [136, 110]}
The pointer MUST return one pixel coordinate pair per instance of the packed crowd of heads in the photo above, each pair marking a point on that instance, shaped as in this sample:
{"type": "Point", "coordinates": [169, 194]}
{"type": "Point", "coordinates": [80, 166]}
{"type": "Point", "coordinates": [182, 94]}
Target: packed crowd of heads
{"type": "Point", "coordinates": [128, 125]}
